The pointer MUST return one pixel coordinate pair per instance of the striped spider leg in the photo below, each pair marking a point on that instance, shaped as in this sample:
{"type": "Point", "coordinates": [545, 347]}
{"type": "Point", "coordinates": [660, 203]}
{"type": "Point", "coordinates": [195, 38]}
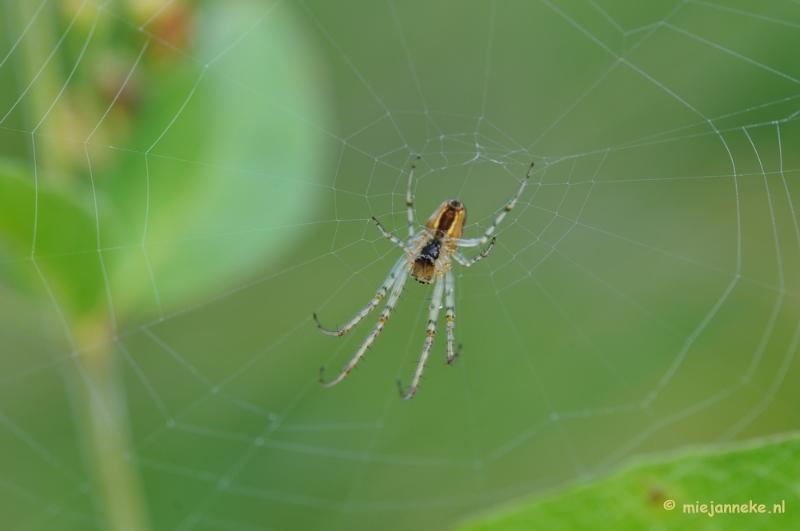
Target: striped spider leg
{"type": "Point", "coordinates": [427, 259]}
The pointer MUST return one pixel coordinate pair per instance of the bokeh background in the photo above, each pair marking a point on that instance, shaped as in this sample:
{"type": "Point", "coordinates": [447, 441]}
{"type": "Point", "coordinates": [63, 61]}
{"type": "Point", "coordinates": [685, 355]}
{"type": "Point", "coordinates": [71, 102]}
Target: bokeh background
{"type": "Point", "coordinates": [182, 184]}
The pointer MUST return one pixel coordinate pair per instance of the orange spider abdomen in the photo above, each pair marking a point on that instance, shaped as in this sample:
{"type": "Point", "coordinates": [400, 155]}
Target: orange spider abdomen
{"type": "Point", "coordinates": [449, 219]}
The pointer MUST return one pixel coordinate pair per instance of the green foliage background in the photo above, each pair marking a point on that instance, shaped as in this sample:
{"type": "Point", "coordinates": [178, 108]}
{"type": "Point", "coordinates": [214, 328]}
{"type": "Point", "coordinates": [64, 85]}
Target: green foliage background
{"type": "Point", "coordinates": [652, 495]}
{"type": "Point", "coordinates": [183, 183]}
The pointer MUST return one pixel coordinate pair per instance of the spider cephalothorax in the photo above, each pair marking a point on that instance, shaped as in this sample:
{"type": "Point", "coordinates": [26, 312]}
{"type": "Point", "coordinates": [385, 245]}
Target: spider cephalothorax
{"type": "Point", "coordinates": [427, 259]}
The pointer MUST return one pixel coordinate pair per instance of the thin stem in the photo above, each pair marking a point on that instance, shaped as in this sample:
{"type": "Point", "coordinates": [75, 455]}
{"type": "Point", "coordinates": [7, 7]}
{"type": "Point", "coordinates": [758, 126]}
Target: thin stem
{"type": "Point", "coordinates": [106, 432]}
{"type": "Point", "coordinates": [36, 64]}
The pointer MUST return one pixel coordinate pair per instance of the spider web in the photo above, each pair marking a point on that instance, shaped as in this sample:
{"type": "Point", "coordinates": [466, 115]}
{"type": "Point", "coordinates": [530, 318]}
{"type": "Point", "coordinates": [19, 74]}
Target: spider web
{"type": "Point", "coordinates": [642, 296]}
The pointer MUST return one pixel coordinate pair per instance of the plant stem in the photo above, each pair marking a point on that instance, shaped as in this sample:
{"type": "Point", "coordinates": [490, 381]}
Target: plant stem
{"type": "Point", "coordinates": [107, 433]}
{"type": "Point", "coordinates": [98, 390]}
{"type": "Point", "coordinates": [41, 73]}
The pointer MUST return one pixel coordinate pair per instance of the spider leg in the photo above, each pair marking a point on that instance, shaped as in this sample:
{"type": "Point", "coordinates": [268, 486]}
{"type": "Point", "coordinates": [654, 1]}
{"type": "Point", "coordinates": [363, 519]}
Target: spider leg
{"type": "Point", "coordinates": [477, 242]}
{"type": "Point", "coordinates": [433, 315]}
{"type": "Point", "coordinates": [397, 290]}
{"type": "Point", "coordinates": [450, 313]}
{"type": "Point", "coordinates": [410, 200]}
{"type": "Point", "coordinates": [379, 295]}
{"type": "Point", "coordinates": [471, 261]}
{"type": "Point", "coordinates": [391, 237]}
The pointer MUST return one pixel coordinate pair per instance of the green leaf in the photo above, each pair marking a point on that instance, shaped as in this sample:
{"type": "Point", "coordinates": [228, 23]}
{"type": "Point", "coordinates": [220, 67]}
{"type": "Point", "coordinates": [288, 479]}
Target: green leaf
{"type": "Point", "coordinates": [640, 497]}
{"type": "Point", "coordinates": [60, 234]}
{"type": "Point", "coordinates": [252, 179]}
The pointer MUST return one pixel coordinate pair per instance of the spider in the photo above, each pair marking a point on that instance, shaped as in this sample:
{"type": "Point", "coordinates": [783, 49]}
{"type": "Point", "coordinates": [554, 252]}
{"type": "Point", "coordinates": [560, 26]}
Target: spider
{"type": "Point", "coordinates": [426, 258]}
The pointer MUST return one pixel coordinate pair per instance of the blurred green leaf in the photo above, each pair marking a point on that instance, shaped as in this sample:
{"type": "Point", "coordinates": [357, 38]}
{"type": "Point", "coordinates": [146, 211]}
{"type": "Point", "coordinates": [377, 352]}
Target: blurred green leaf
{"type": "Point", "coordinates": [639, 497]}
{"type": "Point", "coordinates": [65, 241]}
{"type": "Point", "coordinates": [251, 180]}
